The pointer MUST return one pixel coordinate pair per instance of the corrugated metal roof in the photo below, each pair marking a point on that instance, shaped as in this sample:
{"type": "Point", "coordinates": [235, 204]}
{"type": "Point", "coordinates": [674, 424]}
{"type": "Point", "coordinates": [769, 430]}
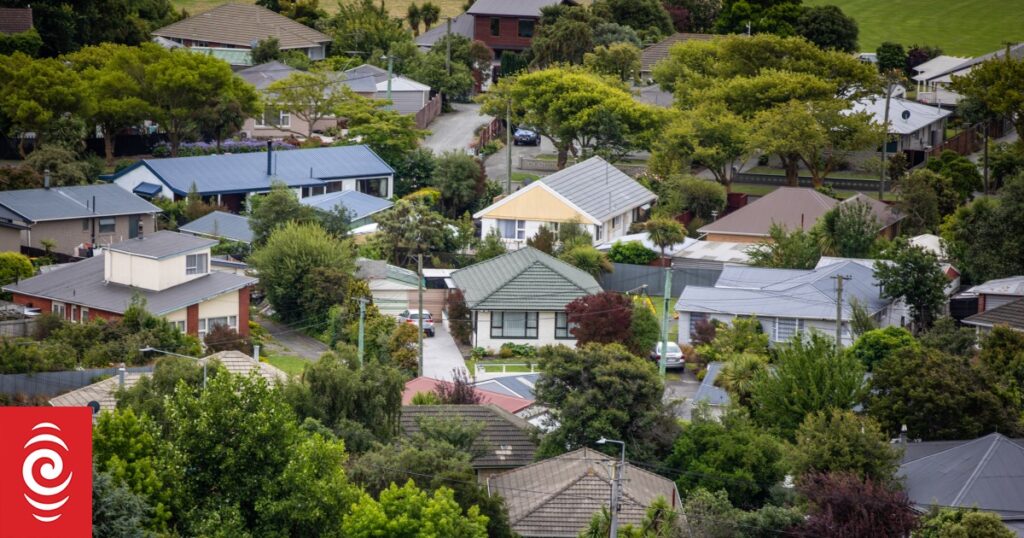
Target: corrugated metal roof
{"type": "Point", "coordinates": [1013, 285]}
{"type": "Point", "coordinates": [376, 269]}
{"type": "Point", "coordinates": [708, 392]}
{"type": "Point", "coordinates": [524, 279]}
{"type": "Point", "coordinates": [598, 188]}
{"type": "Point", "coordinates": [359, 205]}
{"type": "Point", "coordinates": [520, 386]}
{"type": "Point", "coordinates": [265, 74]}
{"type": "Point", "coordinates": [162, 244]}
{"type": "Point", "coordinates": [247, 172]}
{"type": "Point", "coordinates": [505, 440]}
{"type": "Point", "coordinates": [644, 239]}
{"type": "Point", "coordinates": [518, 8]}
{"type": "Point", "coordinates": [905, 116]}
{"type": "Point", "coordinates": [461, 25]}
{"type": "Point", "coordinates": [1016, 51]}
{"type": "Point", "coordinates": [74, 202]}
{"type": "Point", "coordinates": [221, 224]}
{"type": "Point", "coordinates": [243, 25]}
{"type": "Point", "coordinates": [791, 207]}
{"type": "Point", "coordinates": [82, 283]}
{"type": "Point", "coordinates": [1010, 314]}
{"type": "Point", "coordinates": [659, 51]}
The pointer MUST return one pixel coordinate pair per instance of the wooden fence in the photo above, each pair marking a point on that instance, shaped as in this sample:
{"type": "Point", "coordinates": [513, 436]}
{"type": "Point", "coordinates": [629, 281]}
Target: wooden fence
{"type": "Point", "coordinates": [430, 111]}
{"type": "Point", "coordinates": [836, 183]}
{"type": "Point", "coordinates": [971, 139]}
{"type": "Point", "coordinates": [494, 129]}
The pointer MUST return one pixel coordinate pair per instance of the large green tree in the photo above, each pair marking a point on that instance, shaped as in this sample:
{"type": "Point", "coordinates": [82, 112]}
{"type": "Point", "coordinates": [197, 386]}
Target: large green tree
{"type": "Point", "coordinates": [364, 28]}
{"type": "Point", "coordinates": [996, 85]}
{"type": "Point", "coordinates": [461, 179]}
{"type": "Point", "coordinates": [981, 236]}
{"type": "Point", "coordinates": [760, 16]}
{"type": "Point", "coordinates": [709, 135]}
{"type": "Point", "coordinates": [848, 230]}
{"type": "Point", "coordinates": [786, 249]}
{"type": "Point", "coordinates": [913, 275]}
{"type": "Point", "coordinates": [390, 134]}
{"type": "Point", "coordinates": [277, 208]}
{"type": "Point", "coordinates": [876, 345]}
{"type": "Point", "coordinates": [645, 16]}
{"type": "Point", "coordinates": [843, 441]}
{"type": "Point", "coordinates": [408, 512]}
{"type": "Point", "coordinates": [34, 93]}
{"type": "Point", "coordinates": [309, 96]}
{"type": "Point", "coordinates": [828, 27]}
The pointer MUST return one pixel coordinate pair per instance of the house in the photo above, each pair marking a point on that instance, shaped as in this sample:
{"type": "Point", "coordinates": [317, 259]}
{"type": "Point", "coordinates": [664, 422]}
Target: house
{"type": "Point", "coordinates": [712, 255]}
{"type": "Point", "coordinates": [461, 25]}
{"type": "Point", "coordinates": [557, 497]}
{"type": "Point", "coordinates": [360, 207]}
{"type": "Point", "coordinates": [950, 272]}
{"type": "Point", "coordinates": [230, 179]}
{"type": "Point", "coordinates": [220, 225]}
{"type": "Point", "coordinates": [793, 208]}
{"type": "Point", "coordinates": [75, 218]}
{"type": "Point", "coordinates": [652, 54]}
{"type": "Point", "coordinates": [930, 92]}
{"type": "Point", "coordinates": [938, 80]}
{"type": "Point", "coordinates": [504, 443]}
{"type": "Point", "coordinates": [15, 20]}
{"type": "Point", "coordinates": [593, 193]}
{"type": "Point", "coordinates": [998, 292]}
{"type": "Point", "coordinates": [1010, 314]}
{"type": "Point", "coordinates": [407, 95]}
{"type": "Point", "coordinates": [787, 301]}
{"type": "Point", "coordinates": [914, 128]}
{"type": "Point", "coordinates": [930, 243]}
{"type": "Point", "coordinates": [510, 404]}
{"type": "Point", "coordinates": [393, 288]}
{"type": "Point", "coordinates": [236, 28]}
{"type": "Point", "coordinates": [520, 297]}
{"type": "Point", "coordinates": [983, 473]}
{"type": "Point", "coordinates": [102, 392]}
{"type": "Point", "coordinates": [171, 271]}
{"type": "Point", "coordinates": [504, 25]}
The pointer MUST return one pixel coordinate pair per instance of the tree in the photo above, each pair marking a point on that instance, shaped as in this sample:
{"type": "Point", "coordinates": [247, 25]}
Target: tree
{"type": "Point", "coordinates": [603, 318]}
{"type": "Point", "coordinates": [430, 13]}
{"type": "Point", "coordinates": [14, 267]}
{"type": "Point", "coordinates": [390, 134]}
{"type": "Point", "coordinates": [954, 522]}
{"type": "Point", "coordinates": [940, 397]}
{"type": "Point", "coordinates": [762, 16]}
{"type": "Point", "coordinates": [410, 228]}
{"type": "Point", "coordinates": [743, 336]}
{"type": "Point", "coordinates": [453, 79]}
{"type": "Point", "coordinates": [461, 179]}
{"type": "Point", "coordinates": [632, 252]}
{"type": "Point", "coordinates": [414, 17]}
{"type": "Point", "coordinates": [459, 392]}
{"type": "Point", "coordinates": [914, 276]}
{"type": "Point", "coordinates": [843, 505]}
{"type": "Point", "coordinates": [891, 57]}
{"type": "Point", "coordinates": [992, 83]}
{"type": "Point", "coordinates": [961, 171]}
{"type": "Point", "coordinates": [224, 338]}
{"type": "Point", "coordinates": [1005, 162]}
{"type": "Point", "coordinates": [492, 246]}
{"type": "Point", "coordinates": [842, 441]}
{"type": "Point", "coordinates": [919, 54]}
{"type": "Point", "coordinates": [225, 114]}
{"type": "Point", "coordinates": [544, 240]}
{"type": "Point", "coordinates": [608, 33]}
{"type": "Point", "coordinates": [620, 60]}
{"type": "Point", "coordinates": [739, 374]}
{"type": "Point", "coordinates": [37, 92]}
{"type": "Point", "coordinates": [597, 391]}
{"type": "Point", "coordinates": [588, 259]}
{"type": "Point", "coordinates": [407, 512]}
{"type": "Point", "coordinates": [732, 455]}
{"type": "Point", "coordinates": [919, 202]}
{"type": "Point", "coordinates": [664, 233]}
{"type": "Point", "coordinates": [702, 198]}
{"type": "Point", "coordinates": [645, 329]}
{"type": "Point", "coordinates": [948, 336]}
{"type": "Point", "coordinates": [362, 27]}
{"type": "Point", "coordinates": [876, 345]}
{"type": "Point", "coordinates": [980, 238]}
{"type": "Point", "coordinates": [116, 511]}
{"type": "Point", "coordinates": [849, 230]}
{"type": "Point", "coordinates": [1002, 350]}
{"type": "Point", "coordinates": [563, 36]}
{"type": "Point", "coordinates": [645, 16]}
{"type": "Point", "coordinates": [277, 208]}
{"type": "Point", "coordinates": [289, 255]}
{"type": "Point", "coordinates": [710, 135]}
{"type": "Point", "coordinates": [711, 515]}
{"type": "Point", "coordinates": [309, 96]}
{"type": "Point", "coordinates": [28, 42]}
{"type": "Point", "coordinates": [786, 250]}
{"type": "Point", "coordinates": [828, 27]}
{"type": "Point", "coordinates": [809, 376]}
{"type": "Point", "coordinates": [266, 50]}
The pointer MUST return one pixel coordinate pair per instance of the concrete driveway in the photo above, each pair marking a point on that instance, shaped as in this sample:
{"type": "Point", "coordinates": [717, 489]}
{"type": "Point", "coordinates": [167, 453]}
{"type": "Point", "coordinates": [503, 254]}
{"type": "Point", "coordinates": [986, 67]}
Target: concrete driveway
{"type": "Point", "coordinates": [454, 130]}
{"type": "Point", "coordinates": [681, 391]}
{"type": "Point", "coordinates": [496, 165]}
{"type": "Point", "coordinates": [441, 355]}
{"type": "Point", "coordinates": [288, 341]}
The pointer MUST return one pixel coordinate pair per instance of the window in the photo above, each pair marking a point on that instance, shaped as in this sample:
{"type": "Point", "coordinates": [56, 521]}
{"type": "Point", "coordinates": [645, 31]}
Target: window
{"type": "Point", "coordinates": [563, 329]}
{"type": "Point", "coordinates": [207, 324]}
{"type": "Point", "coordinates": [313, 191]}
{"type": "Point", "coordinates": [85, 225]}
{"type": "Point", "coordinates": [495, 26]}
{"type": "Point", "coordinates": [59, 309]}
{"type": "Point", "coordinates": [196, 264]}
{"type": "Point", "coordinates": [553, 226]}
{"type": "Point", "coordinates": [695, 318]}
{"type": "Point", "coordinates": [180, 325]}
{"type": "Point", "coordinates": [85, 314]}
{"type": "Point", "coordinates": [108, 225]}
{"type": "Point", "coordinates": [283, 119]}
{"type": "Point", "coordinates": [599, 233]}
{"type": "Point", "coordinates": [616, 222]}
{"type": "Point", "coordinates": [512, 229]}
{"type": "Point", "coordinates": [513, 325]}
{"type": "Point", "coordinates": [786, 328]}
{"type": "Point", "coordinates": [526, 28]}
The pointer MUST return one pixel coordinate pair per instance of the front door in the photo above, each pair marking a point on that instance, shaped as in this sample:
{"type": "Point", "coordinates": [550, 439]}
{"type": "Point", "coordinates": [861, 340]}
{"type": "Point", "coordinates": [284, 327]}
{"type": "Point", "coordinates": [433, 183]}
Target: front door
{"type": "Point", "coordinates": [133, 226]}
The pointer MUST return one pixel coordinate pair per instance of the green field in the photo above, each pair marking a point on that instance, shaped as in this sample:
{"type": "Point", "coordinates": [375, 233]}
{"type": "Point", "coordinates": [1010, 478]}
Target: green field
{"type": "Point", "coordinates": [958, 27]}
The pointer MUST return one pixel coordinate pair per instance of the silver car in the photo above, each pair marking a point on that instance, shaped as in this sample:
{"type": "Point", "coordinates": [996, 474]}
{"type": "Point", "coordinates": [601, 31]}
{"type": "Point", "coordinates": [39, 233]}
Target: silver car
{"type": "Point", "coordinates": [673, 358]}
{"type": "Point", "coordinates": [413, 317]}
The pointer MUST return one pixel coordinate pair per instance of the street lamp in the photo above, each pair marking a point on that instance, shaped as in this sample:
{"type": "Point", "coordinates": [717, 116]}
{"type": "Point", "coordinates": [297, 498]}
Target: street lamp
{"type": "Point", "coordinates": [616, 485]}
{"type": "Point", "coordinates": [151, 348]}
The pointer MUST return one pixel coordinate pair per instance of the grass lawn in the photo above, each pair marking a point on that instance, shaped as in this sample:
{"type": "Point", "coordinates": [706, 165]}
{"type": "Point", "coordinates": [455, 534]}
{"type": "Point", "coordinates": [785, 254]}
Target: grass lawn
{"type": "Point", "coordinates": [523, 176]}
{"type": "Point", "coordinates": [397, 8]}
{"type": "Point", "coordinates": [958, 27]}
{"type": "Point", "coordinates": [838, 174]}
{"type": "Point", "coordinates": [761, 190]}
{"type": "Point", "coordinates": [673, 324]}
{"type": "Point", "coordinates": [289, 364]}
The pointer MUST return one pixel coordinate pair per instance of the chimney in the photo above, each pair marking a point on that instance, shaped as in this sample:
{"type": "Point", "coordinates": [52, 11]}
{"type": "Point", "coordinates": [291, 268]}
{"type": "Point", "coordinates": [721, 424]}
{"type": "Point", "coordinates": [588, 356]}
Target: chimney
{"type": "Point", "coordinates": [120, 376]}
{"type": "Point", "coordinates": [46, 178]}
{"type": "Point", "coordinates": [270, 155]}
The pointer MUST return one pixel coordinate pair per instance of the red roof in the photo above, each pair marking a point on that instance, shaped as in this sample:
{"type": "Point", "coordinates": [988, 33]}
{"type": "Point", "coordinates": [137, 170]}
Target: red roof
{"type": "Point", "coordinates": [510, 404]}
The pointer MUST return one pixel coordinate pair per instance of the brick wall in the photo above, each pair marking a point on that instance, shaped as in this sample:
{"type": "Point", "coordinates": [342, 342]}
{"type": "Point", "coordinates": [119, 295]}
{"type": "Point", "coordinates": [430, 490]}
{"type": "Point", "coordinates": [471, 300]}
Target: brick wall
{"type": "Point", "coordinates": [509, 33]}
{"type": "Point", "coordinates": [192, 320]}
{"type": "Point", "coordinates": [243, 312]}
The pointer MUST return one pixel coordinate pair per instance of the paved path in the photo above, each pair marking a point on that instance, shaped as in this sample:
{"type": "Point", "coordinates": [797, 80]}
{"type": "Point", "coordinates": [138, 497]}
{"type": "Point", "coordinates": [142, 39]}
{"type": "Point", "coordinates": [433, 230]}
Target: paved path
{"type": "Point", "coordinates": [454, 130]}
{"type": "Point", "coordinates": [291, 341]}
{"type": "Point", "coordinates": [496, 165]}
{"type": "Point", "coordinates": [682, 391]}
{"type": "Point", "coordinates": [441, 355]}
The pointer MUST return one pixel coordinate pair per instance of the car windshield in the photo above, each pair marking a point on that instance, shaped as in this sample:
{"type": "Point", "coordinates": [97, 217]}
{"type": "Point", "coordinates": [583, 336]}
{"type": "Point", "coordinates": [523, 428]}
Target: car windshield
{"type": "Point", "coordinates": [672, 348]}
{"type": "Point", "coordinates": [524, 132]}
{"type": "Point", "coordinates": [416, 315]}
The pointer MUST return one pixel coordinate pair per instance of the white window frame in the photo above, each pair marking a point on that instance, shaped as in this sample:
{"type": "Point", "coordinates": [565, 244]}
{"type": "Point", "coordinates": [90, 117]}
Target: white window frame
{"type": "Point", "coordinates": [205, 325]}
{"type": "Point", "coordinates": [197, 264]}
{"type": "Point", "coordinates": [796, 323]}
{"type": "Point", "coordinates": [180, 325]}
{"type": "Point", "coordinates": [284, 119]}
{"type": "Point", "coordinates": [59, 308]}
{"type": "Point", "coordinates": [519, 227]}
{"type": "Point", "coordinates": [616, 222]}
{"type": "Point", "coordinates": [83, 314]}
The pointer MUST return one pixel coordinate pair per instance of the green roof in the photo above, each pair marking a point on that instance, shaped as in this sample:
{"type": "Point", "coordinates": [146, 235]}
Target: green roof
{"type": "Point", "coordinates": [525, 279]}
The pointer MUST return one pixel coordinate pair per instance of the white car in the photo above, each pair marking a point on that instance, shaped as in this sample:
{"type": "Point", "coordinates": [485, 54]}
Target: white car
{"type": "Point", "coordinates": [413, 317]}
{"type": "Point", "coordinates": [673, 358]}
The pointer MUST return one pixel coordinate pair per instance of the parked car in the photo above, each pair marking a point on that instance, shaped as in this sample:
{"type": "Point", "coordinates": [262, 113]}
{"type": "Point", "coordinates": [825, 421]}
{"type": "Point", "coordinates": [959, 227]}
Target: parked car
{"type": "Point", "coordinates": [673, 359]}
{"type": "Point", "coordinates": [525, 137]}
{"type": "Point", "coordinates": [413, 316]}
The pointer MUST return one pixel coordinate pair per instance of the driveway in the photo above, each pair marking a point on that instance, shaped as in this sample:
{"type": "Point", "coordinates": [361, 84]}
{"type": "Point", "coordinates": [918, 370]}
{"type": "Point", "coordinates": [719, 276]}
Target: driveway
{"type": "Point", "coordinates": [288, 341]}
{"type": "Point", "coordinates": [496, 165]}
{"type": "Point", "coordinates": [441, 355]}
{"type": "Point", "coordinates": [682, 389]}
{"type": "Point", "coordinates": [454, 130]}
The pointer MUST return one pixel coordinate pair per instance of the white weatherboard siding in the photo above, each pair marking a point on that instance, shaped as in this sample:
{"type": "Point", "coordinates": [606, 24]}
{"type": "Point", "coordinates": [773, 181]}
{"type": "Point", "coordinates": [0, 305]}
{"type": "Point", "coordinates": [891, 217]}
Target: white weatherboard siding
{"type": "Point", "coordinates": [545, 333]}
{"type": "Point", "coordinates": [143, 175]}
{"type": "Point", "coordinates": [608, 232]}
{"type": "Point", "coordinates": [776, 334]}
{"type": "Point", "coordinates": [225, 304]}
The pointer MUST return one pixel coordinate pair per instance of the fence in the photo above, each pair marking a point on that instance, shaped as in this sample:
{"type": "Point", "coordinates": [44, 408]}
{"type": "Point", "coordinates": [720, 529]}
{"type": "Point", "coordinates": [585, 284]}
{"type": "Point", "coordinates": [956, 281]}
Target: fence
{"type": "Point", "coordinates": [428, 112]}
{"type": "Point", "coordinates": [550, 165]}
{"type": "Point", "coordinates": [971, 139]}
{"type": "Point", "coordinates": [835, 183]}
{"type": "Point", "coordinates": [50, 384]}
{"type": "Point", "coordinates": [495, 129]}
{"type": "Point", "coordinates": [16, 328]}
{"type": "Point", "coordinates": [629, 277]}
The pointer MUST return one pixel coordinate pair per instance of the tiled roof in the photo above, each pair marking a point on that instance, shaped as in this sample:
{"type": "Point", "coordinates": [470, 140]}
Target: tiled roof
{"type": "Point", "coordinates": [659, 51]}
{"type": "Point", "coordinates": [557, 497]}
{"type": "Point", "coordinates": [221, 224]}
{"type": "Point", "coordinates": [162, 244]}
{"type": "Point", "coordinates": [791, 207]}
{"type": "Point", "coordinates": [598, 188]}
{"type": "Point", "coordinates": [358, 204]}
{"type": "Point", "coordinates": [1010, 314]}
{"type": "Point", "coordinates": [15, 20]}
{"type": "Point", "coordinates": [518, 8]}
{"type": "Point", "coordinates": [504, 442]}
{"type": "Point", "coordinates": [74, 202]}
{"type": "Point", "coordinates": [524, 279]}
{"type": "Point", "coordinates": [243, 25]}
{"type": "Point", "coordinates": [427, 384]}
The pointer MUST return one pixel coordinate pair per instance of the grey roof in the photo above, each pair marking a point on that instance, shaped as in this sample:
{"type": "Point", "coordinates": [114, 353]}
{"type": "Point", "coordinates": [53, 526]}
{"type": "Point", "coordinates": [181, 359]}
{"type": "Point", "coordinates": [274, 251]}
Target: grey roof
{"type": "Point", "coordinates": [82, 283]}
{"type": "Point", "coordinates": [791, 207]}
{"type": "Point", "coordinates": [598, 188]}
{"type": "Point", "coordinates": [461, 25]}
{"type": "Point", "coordinates": [987, 472]}
{"type": "Point", "coordinates": [1010, 314]}
{"type": "Point", "coordinates": [358, 204]}
{"type": "Point", "coordinates": [377, 269]}
{"type": "Point", "coordinates": [162, 244]}
{"type": "Point", "coordinates": [708, 392]}
{"type": "Point", "coordinates": [367, 71]}
{"type": "Point", "coordinates": [265, 74]}
{"type": "Point", "coordinates": [247, 172]}
{"type": "Point", "coordinates": [659, 51]}
{"type": "Point", "coordinates": [518, 8]}
{"type": "Point", "coordinates": [520, 386]}
{"type": "Point", "coordinates": [505, 441]}
{"type": "Point", "coordinates": [789, 293]}
{"type": "Point", "coordinates": [243, 25]}
{"type": "Point", "coordinates": [1016, 51]}
{"type": "Point", "coordinates": [220, 224]}
{"type": "Point", "coordinates": [883, 212]}
{"type": "Point", "coordinates": [524, 279]}
{"type": "Point", "coordinates": [75, 202]}
{"type": "Point", "coordinates": [558, 496]}
{"type": "Point", "coordinates": [1013, 285]}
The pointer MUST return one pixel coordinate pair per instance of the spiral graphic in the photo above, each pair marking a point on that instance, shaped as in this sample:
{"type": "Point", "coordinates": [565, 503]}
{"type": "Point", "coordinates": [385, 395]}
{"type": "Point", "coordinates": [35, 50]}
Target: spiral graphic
{"type": "Point", "coordinates": [50, 470]}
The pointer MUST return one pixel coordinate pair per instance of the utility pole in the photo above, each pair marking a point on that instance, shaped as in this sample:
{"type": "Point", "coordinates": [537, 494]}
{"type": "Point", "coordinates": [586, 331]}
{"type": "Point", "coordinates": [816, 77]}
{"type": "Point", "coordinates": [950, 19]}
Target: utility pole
{"type": "Point", "coordinates": [419, 271]}
{"type": "Point", "coordinates": [362, 322]}
{"type": "Point", "coordinates": [508, 146]}
{"type": "Point", "coordinates": [839, 309]}
{"type": "Point", "coordinates": [664, 316]}
{"type": "Point", "coordinates": [448, 48]}
{"type": "Point", "coordinates": [391, 69]}
{"type": "Point", "coordinates": [613, 506]}
{"type": "Point", "coordinates": [885, 136]}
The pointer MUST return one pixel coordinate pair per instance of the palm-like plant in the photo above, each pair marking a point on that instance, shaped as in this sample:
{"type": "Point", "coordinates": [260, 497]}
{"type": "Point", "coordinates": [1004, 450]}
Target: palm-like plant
{"type": "Point", "coordinates": [415, 16]}
{"type": "Point", "coordinates": [588, 259]}
{"type": "Point", "coordinates": [430, 13]}
{"type": "Point", "coordinates": [739, 374]}
{"type": "Point", "coordinates": [665, 232]}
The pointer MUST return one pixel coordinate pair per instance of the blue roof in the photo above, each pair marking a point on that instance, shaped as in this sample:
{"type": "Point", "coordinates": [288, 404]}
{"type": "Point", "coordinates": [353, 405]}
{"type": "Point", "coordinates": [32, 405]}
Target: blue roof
{"type": "Point", "coordinates": [247, 172]}
{"type": "Point", "coordinates": [73, 202]}
{"type": "Point", "coordinates": [148, 189]}
{"type": "Point", "coordinates": [358, 204]}
{"type": "Point", "coordinates": [708, 392]}
{"type": "Point", "coordinates": [520, 386]}
{"type": "Point", "coordinates": [220, 224]}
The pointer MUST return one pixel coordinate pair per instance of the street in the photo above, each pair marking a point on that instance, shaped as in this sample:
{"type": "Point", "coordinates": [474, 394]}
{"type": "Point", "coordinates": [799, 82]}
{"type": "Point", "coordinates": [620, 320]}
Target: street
{"type": "Point", "coordinates": [454, 130]}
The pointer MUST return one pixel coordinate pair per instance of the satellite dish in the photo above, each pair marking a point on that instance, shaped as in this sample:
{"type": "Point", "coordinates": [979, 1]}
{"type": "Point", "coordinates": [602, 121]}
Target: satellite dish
{"type": "Point", "coordinates": [95, 406]}
{"type": "Point", "coordinates": [906, 115]}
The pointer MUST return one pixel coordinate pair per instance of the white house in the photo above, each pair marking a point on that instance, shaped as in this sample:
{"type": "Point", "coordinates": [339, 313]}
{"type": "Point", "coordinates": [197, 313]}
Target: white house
{"type": "Point", "coordinates": [593, 193]}
{"type": "Point", "coordinates": [520, 297]}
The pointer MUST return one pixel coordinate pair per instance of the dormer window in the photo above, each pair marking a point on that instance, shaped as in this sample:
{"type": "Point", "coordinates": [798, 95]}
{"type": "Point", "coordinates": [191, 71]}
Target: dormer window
{"type": "Point", "coordinates": [197, 264]}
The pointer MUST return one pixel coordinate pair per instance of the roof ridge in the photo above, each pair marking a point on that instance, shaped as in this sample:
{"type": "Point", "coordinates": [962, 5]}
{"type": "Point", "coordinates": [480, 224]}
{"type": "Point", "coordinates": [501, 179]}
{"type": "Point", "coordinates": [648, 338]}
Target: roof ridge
{"type": "Point", "coordinates": [965, 443]}
{"type": "Point", "coordinates": [506, 281]}
{"type": "Point", "coordinates": [977, 469]}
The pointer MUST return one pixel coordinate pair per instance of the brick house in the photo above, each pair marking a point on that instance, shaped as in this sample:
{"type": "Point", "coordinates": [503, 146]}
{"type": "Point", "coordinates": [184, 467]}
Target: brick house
{"type": "Point", "coordinates": [505, 25]}
{"type": "Point", "coordinates": [171, 271]}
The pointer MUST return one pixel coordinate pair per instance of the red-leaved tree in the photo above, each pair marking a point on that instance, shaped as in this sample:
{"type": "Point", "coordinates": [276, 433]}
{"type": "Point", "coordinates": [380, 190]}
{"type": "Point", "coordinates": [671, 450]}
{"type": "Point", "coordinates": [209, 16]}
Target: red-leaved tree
{"type": "Point", "coordinates": [602, 318]}
{"type": "Point", "coordinates": [844, 506]}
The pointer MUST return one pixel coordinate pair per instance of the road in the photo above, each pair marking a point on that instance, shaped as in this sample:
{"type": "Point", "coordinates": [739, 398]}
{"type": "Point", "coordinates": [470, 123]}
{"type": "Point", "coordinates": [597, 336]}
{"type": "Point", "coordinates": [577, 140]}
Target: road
{"type": "Point", "coordinates": [441, 355]}
{"type": "Point", "coordinates": [289, 341]}
{"type": "Point", "coordinates": [454, 130]}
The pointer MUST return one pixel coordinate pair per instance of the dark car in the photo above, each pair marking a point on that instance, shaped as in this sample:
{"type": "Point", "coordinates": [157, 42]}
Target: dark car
{"type": "Point", "coordinates": [525, 137]}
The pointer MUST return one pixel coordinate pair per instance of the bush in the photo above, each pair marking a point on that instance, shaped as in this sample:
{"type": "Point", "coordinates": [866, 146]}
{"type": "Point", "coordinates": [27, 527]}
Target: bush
{"type": "Point", "coordinates": [632, 252]}
{"type": "Point", "coordinates": [517, 350]}
{"type": "Point", "coordinates": [193, 149]}
{"type": "Point", "coordinates": [224, 338]}
{"type": "Point", "coordinates": [459, 317]}
{"type": "Point", "coordinates": [14, 267]}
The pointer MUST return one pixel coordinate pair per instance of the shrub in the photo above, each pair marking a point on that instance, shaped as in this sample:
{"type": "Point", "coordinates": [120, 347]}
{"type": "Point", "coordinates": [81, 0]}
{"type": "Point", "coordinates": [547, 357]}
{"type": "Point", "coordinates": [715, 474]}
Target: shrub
{"type": "Point", "coordinates": [459, 317]}
{"type": "Point", "coordinates": [224, 338]}
{"type": "Point", "coordinates": [192, 149]}
{"type": "Point", "coordinates": [517, 350]}
{"type": "Point", "coordinates": [632, 252]}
